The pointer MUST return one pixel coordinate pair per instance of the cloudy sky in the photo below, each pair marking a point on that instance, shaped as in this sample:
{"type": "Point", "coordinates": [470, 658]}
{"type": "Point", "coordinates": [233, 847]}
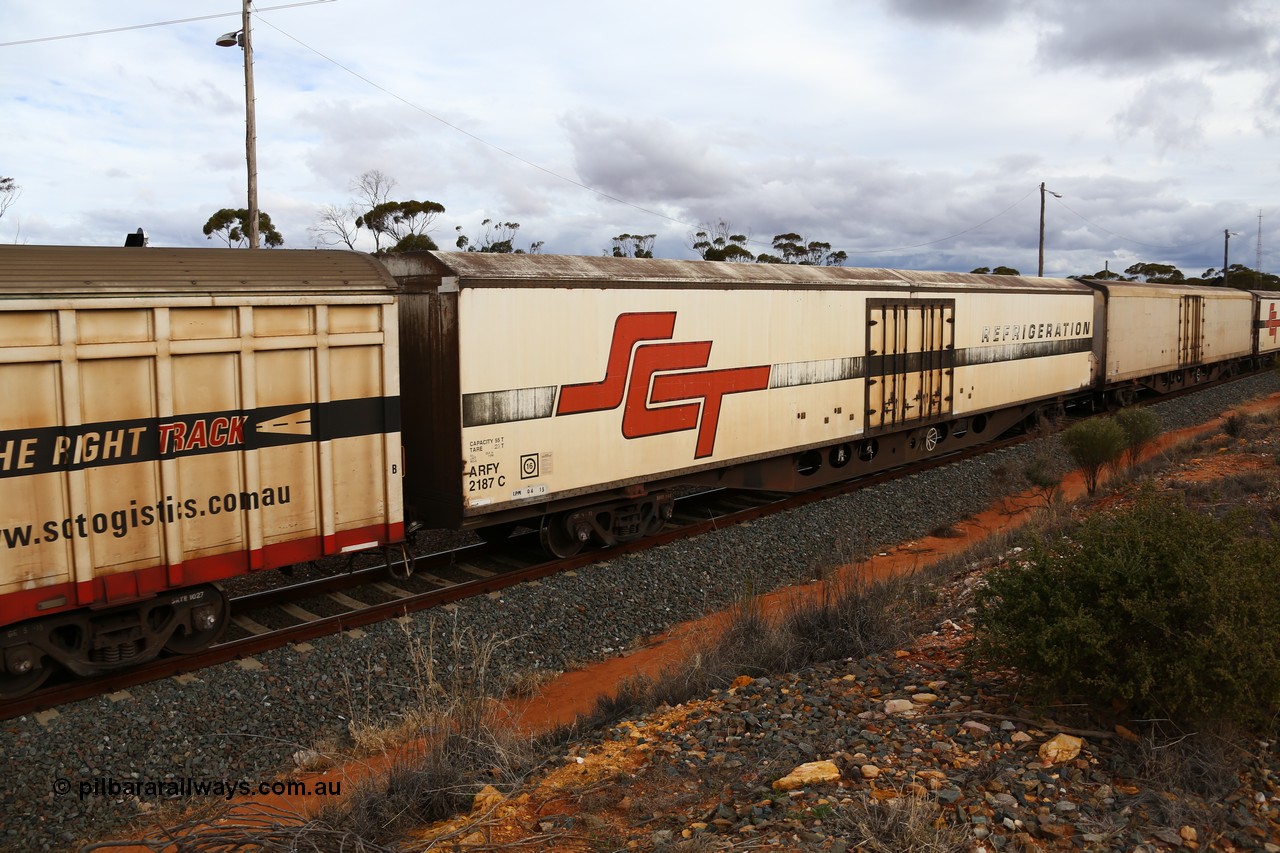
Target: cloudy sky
{"type": "Point", "coordinates": [909, 133]}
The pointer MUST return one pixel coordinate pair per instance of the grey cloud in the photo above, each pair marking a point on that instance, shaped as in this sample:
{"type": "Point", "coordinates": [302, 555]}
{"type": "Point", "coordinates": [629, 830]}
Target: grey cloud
{"type": "Point", "coordinates": [1138, 35]}
{"type": "Point", "coordinates": [1133, 36]}
{"type": "Point", "coordinates": [1170, 110]}
{"type": "Point", "coordinates": [972, 14]}
{"type": "Point", "coordinates": [646, 160]}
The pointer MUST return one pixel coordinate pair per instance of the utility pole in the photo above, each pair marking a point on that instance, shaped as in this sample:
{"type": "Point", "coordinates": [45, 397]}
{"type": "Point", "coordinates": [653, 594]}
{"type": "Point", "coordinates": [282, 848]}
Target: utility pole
{"type": "Point", "coordinates": [244, 39]}
{"type": "Point", "coordinates": [1258, 264]}
{"type": "Point", "coordinates": [1040, 271]}
{"type": "Point", "coordinates": [1226, 244]}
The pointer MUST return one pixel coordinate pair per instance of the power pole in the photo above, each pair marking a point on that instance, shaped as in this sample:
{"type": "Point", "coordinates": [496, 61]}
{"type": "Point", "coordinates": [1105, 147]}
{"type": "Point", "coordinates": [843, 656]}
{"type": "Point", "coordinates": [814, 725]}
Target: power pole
{"type": "Point", "coordinates": [1258, 264]}
{"type": "Point", "coordinates": [1040, 269]}
{"type": "Point", "coordinates": [251, 130]}
{"type": "Point", "coordinates": [1227, 234]}
{"type": "Point", "coordinates": [244, 39]}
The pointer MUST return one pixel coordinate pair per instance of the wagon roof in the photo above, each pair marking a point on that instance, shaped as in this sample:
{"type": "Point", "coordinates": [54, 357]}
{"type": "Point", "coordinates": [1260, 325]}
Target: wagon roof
{"type": "Point", "coordinates": [478, 269]}
{"type": "Point", "coordinates": [1147, 289]}
{"type": "Point", "coordinates": [94, 270]}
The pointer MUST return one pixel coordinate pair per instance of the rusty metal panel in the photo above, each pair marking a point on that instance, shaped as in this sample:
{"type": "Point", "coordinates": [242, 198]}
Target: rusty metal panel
{"type": "Point", "coordinates": [910, 361]}
{"type": "Point", "coordinates": [159, 437]}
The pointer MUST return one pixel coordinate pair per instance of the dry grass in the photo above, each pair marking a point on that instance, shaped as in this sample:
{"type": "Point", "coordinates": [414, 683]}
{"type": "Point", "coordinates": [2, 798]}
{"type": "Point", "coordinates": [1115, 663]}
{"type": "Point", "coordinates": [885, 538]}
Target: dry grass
{"type": "Point", "coordinates": [903, 823]}
{"type": "Point", "coordinates": [849, 617]}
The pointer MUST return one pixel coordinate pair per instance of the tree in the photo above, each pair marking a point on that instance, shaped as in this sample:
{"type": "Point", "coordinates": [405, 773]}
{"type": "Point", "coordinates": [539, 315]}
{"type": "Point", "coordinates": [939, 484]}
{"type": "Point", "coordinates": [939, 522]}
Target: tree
{"type": "Point", "coordinates": [340, 226]}
{"type": "Point", "coordinates": [1104, 274]}
{"type": "Point", "coordinates": [403, 223]}
{"type": "Point", "coordinates": [996, 271]}
{"type": "Point", "coordinates": [718, 243]}
{"type": "Point", "coordinates": [9, 192]}
{"type": "Point", "coordinates": [794, 249]}
{"type": "Point", "coordinates": [233, 227]}
{"type": "Point", "coordinates": [1242, 278]}
{"type": "Point", "coordinates": [499, 239]}
{"type": "Point", "coordinates": [633, 245]}
{"type": "Point", "coordinates": [1156, 273]}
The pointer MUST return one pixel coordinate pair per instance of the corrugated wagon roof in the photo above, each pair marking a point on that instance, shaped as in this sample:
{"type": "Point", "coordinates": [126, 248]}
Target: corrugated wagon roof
{"type": "Point", "coordinates": [91, 270]}
{"type": "Point", "coordinates": [474, 269]}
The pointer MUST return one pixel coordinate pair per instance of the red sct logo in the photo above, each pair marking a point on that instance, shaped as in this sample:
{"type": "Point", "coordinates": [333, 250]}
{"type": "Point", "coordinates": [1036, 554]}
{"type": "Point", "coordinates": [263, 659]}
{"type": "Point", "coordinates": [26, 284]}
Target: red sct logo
{"type": "Point", "coordinates": [644, 374]}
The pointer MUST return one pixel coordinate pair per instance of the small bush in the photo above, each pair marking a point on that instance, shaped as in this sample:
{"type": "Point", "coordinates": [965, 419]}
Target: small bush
{"type": "Point", "coordinates": [1094, 444]}
{"type": "Point", "coordinates": [907, 822]}
{"type": "Point", "coordinates": [1042, 474]}
{"type": "Point", "coordinates": [1140, 426]}
{"type": "Point", "coordinates": [1159, 608]}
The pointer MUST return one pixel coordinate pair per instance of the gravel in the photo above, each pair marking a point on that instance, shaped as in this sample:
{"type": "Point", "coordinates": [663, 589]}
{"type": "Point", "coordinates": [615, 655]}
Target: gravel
{"type": "Point", "coordinates": [244, 721]}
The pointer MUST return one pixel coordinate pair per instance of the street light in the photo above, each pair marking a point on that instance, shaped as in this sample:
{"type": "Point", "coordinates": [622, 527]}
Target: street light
{"type": "Point", "coordinates": [1226, 244]}
{"type": "Point", "coordinates": [1055, 195]}
{"type": "Point", "coordinates": [243, 39]}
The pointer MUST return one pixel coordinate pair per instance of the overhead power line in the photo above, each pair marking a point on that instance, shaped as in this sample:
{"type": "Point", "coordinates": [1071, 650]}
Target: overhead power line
{"type": "Point", "coordinates": [1095, 225]}
{"type": "Point", "coordinates": [156, 24]}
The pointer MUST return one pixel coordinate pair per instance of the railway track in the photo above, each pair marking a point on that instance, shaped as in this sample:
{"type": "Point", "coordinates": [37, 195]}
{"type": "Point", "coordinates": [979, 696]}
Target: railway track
{"type": "Point", "coordinates": [296, 613]}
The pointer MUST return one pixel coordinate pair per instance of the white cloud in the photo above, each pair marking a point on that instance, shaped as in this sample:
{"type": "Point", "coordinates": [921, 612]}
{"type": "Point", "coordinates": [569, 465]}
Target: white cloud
{"type": "Point", "coordinates": [909, 133]}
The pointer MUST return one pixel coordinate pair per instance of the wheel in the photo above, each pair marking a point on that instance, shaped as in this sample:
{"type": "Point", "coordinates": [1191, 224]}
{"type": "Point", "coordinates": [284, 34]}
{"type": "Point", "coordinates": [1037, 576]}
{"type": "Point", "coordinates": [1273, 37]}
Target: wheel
{"type": "Point", "coordinates": [204, 624]}
{"type": "Point", "coordinates": [931, 438]}
{"type": "Point", "coordinates": [558, 540]}
{"type": "Point", "coordinates": [12, 686]}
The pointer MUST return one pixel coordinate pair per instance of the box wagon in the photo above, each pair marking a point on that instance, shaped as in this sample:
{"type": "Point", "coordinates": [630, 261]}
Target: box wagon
{"type": "Point", "coordinates": [176, 417]}
{"type": "Point", "coordinates": [577, 391]}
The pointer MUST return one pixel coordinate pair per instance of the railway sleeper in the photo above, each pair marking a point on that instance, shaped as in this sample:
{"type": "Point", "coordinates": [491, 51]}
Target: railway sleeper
{"type": "Point", "coordinates": [92, 642]}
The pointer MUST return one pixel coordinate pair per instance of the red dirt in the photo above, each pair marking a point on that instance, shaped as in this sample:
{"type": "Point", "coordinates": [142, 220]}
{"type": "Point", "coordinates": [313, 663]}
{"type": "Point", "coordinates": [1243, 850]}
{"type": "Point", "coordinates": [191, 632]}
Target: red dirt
{"type": "Point", "coordinates": [574, 694]}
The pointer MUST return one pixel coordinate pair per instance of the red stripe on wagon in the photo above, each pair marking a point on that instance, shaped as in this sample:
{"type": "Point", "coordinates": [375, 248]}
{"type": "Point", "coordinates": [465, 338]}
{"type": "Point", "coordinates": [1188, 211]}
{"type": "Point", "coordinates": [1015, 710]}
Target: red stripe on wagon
{"type": "Point", "coordinates": [122, 587]}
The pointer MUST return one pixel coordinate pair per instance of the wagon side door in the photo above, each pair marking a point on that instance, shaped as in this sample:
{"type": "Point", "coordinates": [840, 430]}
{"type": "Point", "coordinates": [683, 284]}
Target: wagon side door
{"type": "Point", "coordinates": [910, 362]}
{"type": "Point", "coordinates": [1190, 330]}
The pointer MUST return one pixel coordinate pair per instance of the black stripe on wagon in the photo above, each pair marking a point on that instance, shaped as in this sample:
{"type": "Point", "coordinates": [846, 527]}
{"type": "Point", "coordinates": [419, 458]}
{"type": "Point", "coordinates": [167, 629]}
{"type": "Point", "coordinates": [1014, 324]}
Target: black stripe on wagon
{"type": "Point", "coordinates": [487, 408]}
{"type": "Point", "coordinates": [501, 407]}
{"type": "Point", "coordinates": [1019, 351]}
{"type": "Point", "coordinates": [47, 449]}
{"type": "Point", "coordinates": [793, 373]}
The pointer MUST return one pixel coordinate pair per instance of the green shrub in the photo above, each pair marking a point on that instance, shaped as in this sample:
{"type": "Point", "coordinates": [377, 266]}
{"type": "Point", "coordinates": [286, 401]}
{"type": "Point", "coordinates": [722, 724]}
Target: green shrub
{"type": "Point", "coordinates": [1043, 475]}
{"type": "Point", "coordinates": [1140, 426]}
{"type": "Point", "coordinates": [1157, 608]}
{"type": "Point", "coordinates": [1094, 444]}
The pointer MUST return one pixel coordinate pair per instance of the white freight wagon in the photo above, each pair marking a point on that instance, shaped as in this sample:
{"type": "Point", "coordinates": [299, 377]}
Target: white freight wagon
{"type": "Point", "coordinates": [1167, 336]}
{"type": "Point", "coordinates": [580, 388]}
